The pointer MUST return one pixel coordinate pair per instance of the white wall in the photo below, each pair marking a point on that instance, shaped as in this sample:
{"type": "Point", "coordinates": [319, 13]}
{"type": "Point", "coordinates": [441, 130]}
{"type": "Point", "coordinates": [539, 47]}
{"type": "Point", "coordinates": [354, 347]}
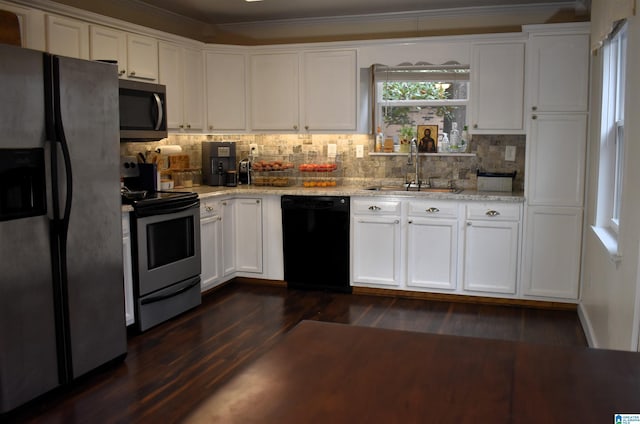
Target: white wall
{"type": "Point", "coordinates": [609, 306]}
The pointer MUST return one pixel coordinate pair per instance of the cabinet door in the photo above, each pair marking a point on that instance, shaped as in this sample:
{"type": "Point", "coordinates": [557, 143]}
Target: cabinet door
{"type": "Point", "coordinates": [226, 93]}
{"type": "Point", "coordinates": [109, 44]}
{"type": "Point", "coordinates": [193, 89]}
{"type": "Point", "coordinates": [330, 90]}
{"type": "Point", "coordinates": [552, 246]}
{"type": "Point", "coordinates": [142, 58]}
{"type": "Point", "coordinates": [376, 251]}
{"type": "Point", "coordinates": [227, 208]}
{"type": "Point", "coordinates": [559, 72]}
{"type": "Point", "coordinates": [432, 253]}
{"type": "Point", "coordinates": [211, 237]}
{"type": "Point", "coordinates": [170, 75]}
{"type": "Point", "coordinates": [274, 92]}
{"type": "Point", "coordinates": [248, 235]}
{"type": "Point", "coordinates": [497, 88]}
{"type": "Point", "coordinates": [67, 37]}
{"type": "Point", "coordinates": [491, 256]}
{"type": "Point", "coordinates": [556, 159]}
{"type": "Point", "coordinates": [129, 312]}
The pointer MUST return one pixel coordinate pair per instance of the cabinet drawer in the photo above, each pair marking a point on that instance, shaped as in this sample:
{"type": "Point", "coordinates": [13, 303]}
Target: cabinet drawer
{"type": "Point", "coordinates": [494, 211]}
{"type": "Point", "coordinates": [375, 206]}
{"type": "Point", "coordinates": [433, 209]}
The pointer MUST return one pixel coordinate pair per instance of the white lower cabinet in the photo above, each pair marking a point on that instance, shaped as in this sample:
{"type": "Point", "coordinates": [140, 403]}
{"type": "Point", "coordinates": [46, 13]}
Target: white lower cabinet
{"type": "Point", "coordinates": [443, 243]}
{"type": "Point", "coordinates": [211, 244]}
{"type": "Point", "coordinates": [228, 249]}
{"type": "Point", "coordinates": [248, 235]}
{"type": "Point", "coordinates": [129, 313]}
{"type": "Point", "coordinates": [491, 240]}
{"type": "Point", "coordinates": [432, 245]}
{"type": "Point", "coordinates": [376, 246]}
{"type": "Point", "coordinates": [551, 261]}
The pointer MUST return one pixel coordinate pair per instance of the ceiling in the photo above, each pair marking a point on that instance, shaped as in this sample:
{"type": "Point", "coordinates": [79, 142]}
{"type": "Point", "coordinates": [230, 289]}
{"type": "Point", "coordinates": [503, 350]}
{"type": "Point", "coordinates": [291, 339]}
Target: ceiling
{"type": "Point", "coordinates": [218, 12]}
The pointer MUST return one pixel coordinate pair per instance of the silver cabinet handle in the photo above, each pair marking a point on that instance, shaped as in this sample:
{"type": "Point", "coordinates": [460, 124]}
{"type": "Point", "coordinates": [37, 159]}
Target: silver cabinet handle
{"type": "Point", "coordinates": [468, 224]}
{"type": "Point", "coordinates": [397, 221]}
{"type": "Point", "coordinates": [295, 127]}
{"type": "Point", "coordinates": [208, 208]}
{"type": "Point", "coordinates": [188, 125]}
{"type": "Point", "coordinates": [374, 208]}
{"type": "Point", "coordinates": [410, 221]}
{"type": "Point", "coordinates": [432, 210]}
{"type": "Point", "coordinates": [475, 125]}
{"type": "Point", "coordinates": [132, 73]}
{"type": "Point", "coordinates": [224, 203]}
{"type": "Point", "coordinates": [492, 213]}
{"type": "Point", "coordinates": [534, 107]}
{"type": "Point", "coordinates": [258, 201]}
{"type": "Point", "coordinates": [122, 72]}
{"type": "Point", "coordinates": [210, 127]}
{"type": "Point", "coordinates": [306, 127]}
{"type": "Point", "coordinates": [534, 117]}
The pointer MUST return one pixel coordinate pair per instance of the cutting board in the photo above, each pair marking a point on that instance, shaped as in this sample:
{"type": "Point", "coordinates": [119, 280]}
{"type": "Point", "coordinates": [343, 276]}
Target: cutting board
{"type": "Point", "coordinates": [9, 28]}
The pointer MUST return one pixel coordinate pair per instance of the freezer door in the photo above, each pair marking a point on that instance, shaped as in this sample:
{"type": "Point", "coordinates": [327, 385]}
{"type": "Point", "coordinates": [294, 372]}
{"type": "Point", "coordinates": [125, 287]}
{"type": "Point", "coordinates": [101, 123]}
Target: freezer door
{"type": "Point", "coordinates": [89, 112]}
{"type": "Point", "coordinates": [28, 364]}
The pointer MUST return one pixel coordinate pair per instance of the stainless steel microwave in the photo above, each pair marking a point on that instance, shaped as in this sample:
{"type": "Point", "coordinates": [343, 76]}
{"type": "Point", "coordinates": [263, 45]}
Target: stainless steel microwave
{"type": "Point", "coordinates": [143, 111]}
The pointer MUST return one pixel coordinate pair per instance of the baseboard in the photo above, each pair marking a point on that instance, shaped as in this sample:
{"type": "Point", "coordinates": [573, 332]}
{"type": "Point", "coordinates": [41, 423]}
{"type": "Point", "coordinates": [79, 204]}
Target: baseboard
{"type": "Point", "coordinates": [445, 297]}
{"type": "Point", "coordinates": [586, 326]}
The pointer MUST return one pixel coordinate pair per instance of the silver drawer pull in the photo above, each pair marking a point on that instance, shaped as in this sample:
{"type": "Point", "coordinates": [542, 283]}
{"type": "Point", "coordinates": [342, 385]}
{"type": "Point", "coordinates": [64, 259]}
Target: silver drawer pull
{"type": "Point", "coordinates": [208, 208]}
{"type": "Point", "coordinates": [492, 213]}
{"type": "Point", "coordinates": [375, 208]}
{"type": "Point", "coordinates": [432, 210]}
{"type": "Point", "coordinates": [397, 221]}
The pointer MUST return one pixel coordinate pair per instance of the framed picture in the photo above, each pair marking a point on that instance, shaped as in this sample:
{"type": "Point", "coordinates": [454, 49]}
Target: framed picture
{"type": "Point", "coordinates": [428, 138]}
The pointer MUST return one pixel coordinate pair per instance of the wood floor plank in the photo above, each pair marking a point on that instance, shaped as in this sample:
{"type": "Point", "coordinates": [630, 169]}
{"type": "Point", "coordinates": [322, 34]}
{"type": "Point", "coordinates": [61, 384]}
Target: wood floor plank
{"type": "Point", "coordinates": [173, 367]}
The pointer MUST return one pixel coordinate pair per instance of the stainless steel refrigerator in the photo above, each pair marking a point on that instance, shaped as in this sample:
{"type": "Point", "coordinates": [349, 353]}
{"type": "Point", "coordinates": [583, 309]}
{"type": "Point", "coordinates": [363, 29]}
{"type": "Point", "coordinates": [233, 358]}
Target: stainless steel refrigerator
{"type": "Point", "coordinates": [61, 284]}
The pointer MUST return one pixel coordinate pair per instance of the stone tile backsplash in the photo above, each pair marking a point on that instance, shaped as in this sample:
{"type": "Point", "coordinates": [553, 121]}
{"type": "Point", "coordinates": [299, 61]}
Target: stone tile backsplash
{"type": "Point", "coordinates": [489, 150]}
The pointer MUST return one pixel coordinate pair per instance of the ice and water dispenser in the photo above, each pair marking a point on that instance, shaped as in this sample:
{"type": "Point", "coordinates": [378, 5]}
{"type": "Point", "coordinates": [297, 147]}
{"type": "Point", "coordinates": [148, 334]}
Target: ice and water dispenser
{"type": "Point", "coordinates": [219, 163]}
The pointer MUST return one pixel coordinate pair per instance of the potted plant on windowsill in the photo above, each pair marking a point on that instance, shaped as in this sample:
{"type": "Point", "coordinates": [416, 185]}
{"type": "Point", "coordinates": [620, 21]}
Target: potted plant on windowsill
{"type": "Point", "coordinates": [407, 133]}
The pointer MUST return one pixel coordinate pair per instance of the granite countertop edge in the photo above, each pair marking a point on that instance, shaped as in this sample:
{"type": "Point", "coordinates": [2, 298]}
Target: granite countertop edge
{"type": "Point", "coordinates": [212, 192]}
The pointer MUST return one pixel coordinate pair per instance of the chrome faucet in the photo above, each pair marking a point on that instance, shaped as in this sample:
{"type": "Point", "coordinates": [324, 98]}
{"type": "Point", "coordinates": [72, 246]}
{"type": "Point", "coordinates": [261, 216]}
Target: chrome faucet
{"type": "Point", "coordinates": [415, 184]}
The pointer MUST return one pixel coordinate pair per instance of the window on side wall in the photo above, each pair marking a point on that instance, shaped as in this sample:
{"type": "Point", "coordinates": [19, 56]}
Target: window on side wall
{"type": "Point", "coordinates": [612, 137]}
{"type": "Point", "coordinates": [409, 98]}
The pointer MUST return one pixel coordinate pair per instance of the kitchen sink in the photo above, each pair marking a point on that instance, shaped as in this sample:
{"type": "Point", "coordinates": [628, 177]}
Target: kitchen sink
{"type": "Point", "coordinates": [421, 189]}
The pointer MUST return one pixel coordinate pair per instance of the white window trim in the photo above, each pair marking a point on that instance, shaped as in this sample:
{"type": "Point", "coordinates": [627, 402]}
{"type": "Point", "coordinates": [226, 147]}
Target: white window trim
{"type": "Point", "coordinates": [611, 141]}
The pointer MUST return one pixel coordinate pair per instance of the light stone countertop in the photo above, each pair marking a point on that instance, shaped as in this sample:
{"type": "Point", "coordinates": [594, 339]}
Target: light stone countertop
{"type": "Point", "coordinates": [209, 192]}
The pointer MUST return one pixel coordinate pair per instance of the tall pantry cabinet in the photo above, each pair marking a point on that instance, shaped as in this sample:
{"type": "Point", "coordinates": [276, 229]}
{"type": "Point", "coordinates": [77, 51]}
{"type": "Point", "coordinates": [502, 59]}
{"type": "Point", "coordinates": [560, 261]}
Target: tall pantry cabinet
{"type": "Point", "coordinates": [557, 110]}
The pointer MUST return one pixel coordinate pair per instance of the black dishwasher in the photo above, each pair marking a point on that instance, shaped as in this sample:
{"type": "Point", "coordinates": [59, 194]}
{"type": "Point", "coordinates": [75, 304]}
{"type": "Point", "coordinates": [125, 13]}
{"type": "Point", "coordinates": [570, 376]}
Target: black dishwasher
{"type": "Point", "coordinates": [316, 242]}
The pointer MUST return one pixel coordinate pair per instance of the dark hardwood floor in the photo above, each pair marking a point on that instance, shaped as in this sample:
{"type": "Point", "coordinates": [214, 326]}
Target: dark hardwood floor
{"type": "Point", "coordinates": [173, 367]}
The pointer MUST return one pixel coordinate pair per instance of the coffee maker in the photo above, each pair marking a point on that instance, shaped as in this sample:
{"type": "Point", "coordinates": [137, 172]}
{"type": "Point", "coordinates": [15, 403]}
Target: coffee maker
{"type": "Point", "coordinates": [219, 163]}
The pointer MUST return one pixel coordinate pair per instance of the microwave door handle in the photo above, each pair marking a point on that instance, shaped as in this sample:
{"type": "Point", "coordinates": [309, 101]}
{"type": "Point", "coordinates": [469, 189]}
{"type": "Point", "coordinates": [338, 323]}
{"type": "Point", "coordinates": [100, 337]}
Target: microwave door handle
{"type": "Point", "coordinates": [160, 114]}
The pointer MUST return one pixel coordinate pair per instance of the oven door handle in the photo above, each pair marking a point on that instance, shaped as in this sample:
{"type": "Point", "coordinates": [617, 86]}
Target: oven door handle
{"type": "Point", "coordinates": [186, 287]}
{"type": "Point", "coordinates": [165, 210]}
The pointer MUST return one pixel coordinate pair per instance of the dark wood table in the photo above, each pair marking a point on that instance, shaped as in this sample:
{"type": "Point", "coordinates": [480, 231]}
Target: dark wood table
{"type": "Point", "coordinates": [335, 373]}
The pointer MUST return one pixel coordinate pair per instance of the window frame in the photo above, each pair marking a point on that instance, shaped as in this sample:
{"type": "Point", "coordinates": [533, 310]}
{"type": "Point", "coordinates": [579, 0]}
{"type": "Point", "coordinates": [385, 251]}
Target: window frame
{"type": "Point", "coordinates": [611, 139]}
{"type": "Point", "coordinates": [446, 73]}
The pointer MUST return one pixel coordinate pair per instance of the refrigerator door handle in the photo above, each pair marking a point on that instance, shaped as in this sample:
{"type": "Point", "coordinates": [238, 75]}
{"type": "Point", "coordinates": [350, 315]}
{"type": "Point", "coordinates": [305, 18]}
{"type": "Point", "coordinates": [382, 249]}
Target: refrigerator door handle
{"type": "Point", "coordinates": [61, 138]}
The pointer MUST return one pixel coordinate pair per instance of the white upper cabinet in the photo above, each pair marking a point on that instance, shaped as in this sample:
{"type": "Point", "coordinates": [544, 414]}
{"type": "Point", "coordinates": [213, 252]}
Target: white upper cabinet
{"type": "Point", "coordinates": [142, 58]}
{"type": "Point", "coordinates": [497, 88]}
{"type": "Point", "coordinates": [226, 91]}
{"type": "Point", "coordinates": [329, 94]}
{"type": "Point", "coordinates": [274, 92]}
{"type": "Point", "coordinates": [67, 37]}
{"type": "Point", "coordinates": [559, 72]}
{"type": "Point", "coordinates": [181, 70]}
{"type": "Point", "coordinates": [311, 91]}
{"type": "Point", "coordinates": [108, 44]}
